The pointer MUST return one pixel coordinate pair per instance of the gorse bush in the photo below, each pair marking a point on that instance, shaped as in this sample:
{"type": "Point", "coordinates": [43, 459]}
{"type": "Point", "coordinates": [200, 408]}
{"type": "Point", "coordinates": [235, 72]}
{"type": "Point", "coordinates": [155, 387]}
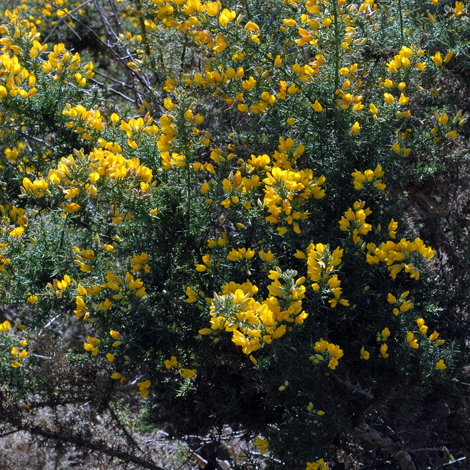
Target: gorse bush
{"type": "Point", "coordinates": [215, 191]}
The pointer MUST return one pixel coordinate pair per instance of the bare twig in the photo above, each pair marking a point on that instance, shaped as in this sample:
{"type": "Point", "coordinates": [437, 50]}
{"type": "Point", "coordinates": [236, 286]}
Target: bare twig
{"type": "Point", "coordinates": [61, 20]}
{"type": "Point", "coordinates": [352, 387]}
{"type": "Point", "coordinates": [127, 67]}
{"type": "Point", "coordinates": [109, 30]}
{"type": "Point", "coordinates": [122, 95]}
{"type": "Point", "coordinates": [114, 15]}
{"type": "Point", "coordinates": [111, 79]}
{"type": "Point", "coordinates": [49, 323]}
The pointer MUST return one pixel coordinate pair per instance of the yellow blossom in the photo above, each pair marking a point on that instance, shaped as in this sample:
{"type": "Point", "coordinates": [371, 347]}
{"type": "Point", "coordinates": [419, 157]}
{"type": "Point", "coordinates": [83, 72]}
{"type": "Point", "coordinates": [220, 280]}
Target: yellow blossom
{"type": "Point", "coordinates": [190, 373]}
{"type": "Point", "coordinates": [171, 363]}
{"type": "Point", "coordinates": [355, 128]}
{"type": "Point", "coordinates": [364, 354]}
{"type": "Point", "coordinates": [383, 350]}
{"type": "Point", "coordinates": [437, 58]}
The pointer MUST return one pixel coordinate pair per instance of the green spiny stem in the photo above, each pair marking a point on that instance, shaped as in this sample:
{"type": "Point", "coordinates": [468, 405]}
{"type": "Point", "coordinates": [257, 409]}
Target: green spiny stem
{"type": "Point", "coordinates": [335, 13]}
{"type": "Point", "coordinates": [401, 22]}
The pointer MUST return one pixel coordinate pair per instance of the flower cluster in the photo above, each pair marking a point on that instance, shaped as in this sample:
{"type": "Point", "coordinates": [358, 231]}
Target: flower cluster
{"type": "Point", "coordinates": [253, 323]}
{"type": "Point", "coordinates": [318, 465]}
{"type": "Point", "coordinates": [371, 176]}
{"type": "Point", "coordinates": [322, 264]}
{"type": "Point", "coordinates": [327, 352]}
{"type": "Point", "coordinates": [402, 305]}
{"type": "Point", "coordinates": [83, 122]}
{"type": "Point", "coordinates": [285, 192]}
{"type": "Point", "coordinates": [354, 221]}
{"type": "Point", "coordinates": [405, 254]}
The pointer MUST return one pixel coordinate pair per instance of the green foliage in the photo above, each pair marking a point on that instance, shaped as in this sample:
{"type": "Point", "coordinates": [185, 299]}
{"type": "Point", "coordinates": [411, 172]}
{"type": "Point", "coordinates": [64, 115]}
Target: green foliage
{"type": "Point", "coordinates": [235, 240]}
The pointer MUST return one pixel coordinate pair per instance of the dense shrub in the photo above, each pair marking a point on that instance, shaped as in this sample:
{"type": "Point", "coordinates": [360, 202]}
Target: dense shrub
{"type": "Point", "coordinates": [217, 192]}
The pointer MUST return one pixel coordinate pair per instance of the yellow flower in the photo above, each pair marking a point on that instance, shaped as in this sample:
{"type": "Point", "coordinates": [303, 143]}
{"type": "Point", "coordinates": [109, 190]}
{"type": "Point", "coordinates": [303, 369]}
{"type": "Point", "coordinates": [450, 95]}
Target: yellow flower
{"type": "Point", "coordinates": [263, 444]}
{"type": "Point", "coordinates": [440, 364]}
{"type": "Point", "coordinates": [226, 16]}
{"type": "Point", "coordinates": [319, 465]}
{"type": "Point", "coordinates": [413, 343]}
{"type": "Point", "coordinates": [422, 327]}
{"type": "Point", "coordinates": [405, 306]}
{"type": "Point", "coordinates": [72, 207]}
{"type": "Point", "coordinates": [355, 128]}
{"type": "Point", "coordinates": [283, 387]}
{"type": "Point", "coordinates": [268, 257]}
{"type": "Point", "coordinates": [94, 177]}
{"type": "Point", "coordinates": [168, 104]}
{"type": "Point", "coordinates": [364, 354]}
{"type": "Point", "coordinates": [190, 373]}
{"type": "Point", "coordinates": [383, 350]}
{"type": "Point", "coordinates": [192, 295]}
{"type": "Point", "coordinates": [452, 134]}
{"type": "Point", "coordinates": [213, 8]}
{"type": "Point", "coordinates": [114, 118]}
{"type": "Point", "coordinates": [384, 335]}
{"type": "Point", "coordinates": [17, 232]}
{"type": "Point", "coordinates": [141, 292]}
{"type": "Point", "coordinates": [421, 66]}
{"type": "Point", "coordinates": [144, 388]}
{"type": "Point", "coordinates": [252, 27]}
{"type": "Point", "coordinates": [403, 99]}
{"type": "Point", "coordinates": [92, 345]}
{"type": "Point", "coordinates": [292, 89]}
{"type": "Point", "coordinates": [317, 106]}
{"type": "Point", "coordinates": [437, 58]}
{"type": "Point", "coordinates": [171, 363]}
